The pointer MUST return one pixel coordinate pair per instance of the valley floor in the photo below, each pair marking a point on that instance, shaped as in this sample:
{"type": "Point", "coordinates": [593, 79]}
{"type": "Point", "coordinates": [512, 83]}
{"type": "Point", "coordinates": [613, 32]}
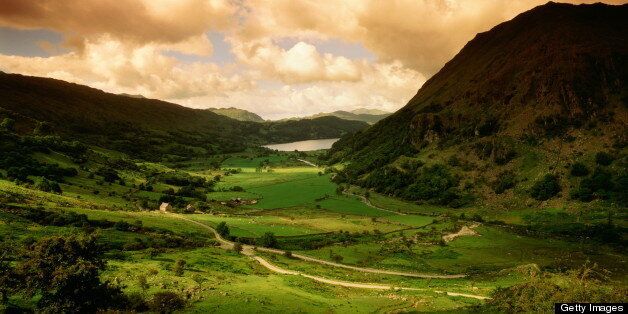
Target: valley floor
{"type": "Point", "coordinates": [336, 249]}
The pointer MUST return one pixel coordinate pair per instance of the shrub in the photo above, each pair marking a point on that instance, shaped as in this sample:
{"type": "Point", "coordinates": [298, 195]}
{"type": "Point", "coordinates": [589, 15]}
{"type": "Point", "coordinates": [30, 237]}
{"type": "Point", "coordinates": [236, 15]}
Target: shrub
{"type": "Point", "coordinates": [267, 240]}
{"type": "Point", "coordinates": [578, 169]}
{"type": "Point", "coordinates": [237, 247]}
{"type": "Point", "coordinates": [222, 229]}
{"type": "Point", "coordinates": [505, 180]}
{"type": "Point", "coordinates": [108, 174]}
{"type": "Point", "coordinates": [603, 158]}
{"type": "Point", "coordinates": [545, 188]}
{"type": "Point", "coordinates": [179, 267]}
{"type": "Point", "coordinates": [166, 302]}
{"type": "Point", "coordinates": [48, 186]}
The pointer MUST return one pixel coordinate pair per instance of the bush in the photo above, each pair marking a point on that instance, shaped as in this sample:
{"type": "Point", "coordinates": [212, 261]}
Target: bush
{"type": "Point", "coordinates": [108, 174]}
{"type": "Point", "coordinates": [237, 247]}
{"type": "Point", "coordinates": [166, 302]}
{"type": "Point", "coordinates": [505, 180]}
{"type": "Point", "coordinates": [267, 240]}
{"type": "Point", "coordinates": [601, 185]}
{"type": "Point", "coordinates": [578, 169]}
{"type": "Point", "coordinates": [179, 267]}
{"type": "Point", "coordinates": [603, 158]}
{"type": "Point", "coordinates": [545, 188]}
{"type": "Point", "coordinates": [48, 186]}
{"type": "Point", "coordinates": [222, 229]}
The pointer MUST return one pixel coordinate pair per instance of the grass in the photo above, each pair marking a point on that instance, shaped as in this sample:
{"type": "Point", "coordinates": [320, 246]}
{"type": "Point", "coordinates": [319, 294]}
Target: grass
{"type": "Point", "coordinates": [288, 195]}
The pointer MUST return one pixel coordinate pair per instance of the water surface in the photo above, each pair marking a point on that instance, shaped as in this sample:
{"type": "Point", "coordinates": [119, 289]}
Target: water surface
{"type": "Point", "coordinates": [303, 146]}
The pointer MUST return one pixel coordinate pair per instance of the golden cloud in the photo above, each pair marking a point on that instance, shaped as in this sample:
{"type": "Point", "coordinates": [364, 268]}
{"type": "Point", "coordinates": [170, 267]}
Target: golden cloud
{"type": "Point", "coordinates": [132, 21]}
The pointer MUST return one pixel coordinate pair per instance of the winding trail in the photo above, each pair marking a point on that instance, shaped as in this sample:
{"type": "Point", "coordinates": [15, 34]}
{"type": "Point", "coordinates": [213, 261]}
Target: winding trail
{"type": "Point", "coordinates": [368, 203]}
{"type": "Point", "coordinates": [248, 250]}
{"type": "Point", "coordinates": [308, 162]}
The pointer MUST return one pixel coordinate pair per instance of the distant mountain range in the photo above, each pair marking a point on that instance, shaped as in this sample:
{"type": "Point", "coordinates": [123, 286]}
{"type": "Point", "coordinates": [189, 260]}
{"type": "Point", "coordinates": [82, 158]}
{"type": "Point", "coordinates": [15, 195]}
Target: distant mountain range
{"type": "Point", "coordinates": [238, 114]}
{"type": "Point", "coordinates": [369, 116]}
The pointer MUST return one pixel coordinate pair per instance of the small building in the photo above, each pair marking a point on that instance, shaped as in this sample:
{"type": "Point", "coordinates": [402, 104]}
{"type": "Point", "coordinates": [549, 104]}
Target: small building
{"type": "Point", "coordinates": [165, 207]}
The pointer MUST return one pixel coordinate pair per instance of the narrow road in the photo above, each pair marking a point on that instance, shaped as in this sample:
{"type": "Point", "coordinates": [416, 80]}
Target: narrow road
{"type": "Point", "coordinates": [362, 269]}
{"type": "Point", "coordinates": [308, 162]}
{"type": "Point", "coordinates": [250, 251]}
{"type": "Point", "coordinates": [368, 203]}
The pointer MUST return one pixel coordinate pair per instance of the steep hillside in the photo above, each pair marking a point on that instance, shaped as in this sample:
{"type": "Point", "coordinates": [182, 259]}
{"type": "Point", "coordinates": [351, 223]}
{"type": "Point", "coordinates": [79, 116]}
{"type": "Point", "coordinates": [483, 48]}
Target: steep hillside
{"type": "Point", "coordinates": [238, 114]}
{"type": "Point", "coordinates": [146, 128]}
{"type": "Point", "coordinates": [532, 96]}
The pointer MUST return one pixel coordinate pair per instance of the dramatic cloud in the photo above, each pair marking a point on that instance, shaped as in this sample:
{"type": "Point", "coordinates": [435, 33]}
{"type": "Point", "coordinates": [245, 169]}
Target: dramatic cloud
{"type": "Point", "coordinates": [117, 67]}
{"type": "Point", "coordinates": [136, 21]}
{"type": "Point", "coordinates": [299, 64]}
{"type": "Point", "coordinates": [278, 58]}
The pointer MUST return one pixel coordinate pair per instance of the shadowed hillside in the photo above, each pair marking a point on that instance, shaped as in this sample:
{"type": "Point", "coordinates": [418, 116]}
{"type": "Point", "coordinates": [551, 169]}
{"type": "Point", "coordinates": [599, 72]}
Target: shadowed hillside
{"type": "Point", "coordinates": [549, 83]}
{"type": "Point", "coordinates": [143, 127]}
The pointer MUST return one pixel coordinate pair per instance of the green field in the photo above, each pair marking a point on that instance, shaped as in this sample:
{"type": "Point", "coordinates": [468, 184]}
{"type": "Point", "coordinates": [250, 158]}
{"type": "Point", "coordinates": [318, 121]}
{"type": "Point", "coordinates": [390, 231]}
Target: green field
{"type": "Point", "coordinates": [308, 214]}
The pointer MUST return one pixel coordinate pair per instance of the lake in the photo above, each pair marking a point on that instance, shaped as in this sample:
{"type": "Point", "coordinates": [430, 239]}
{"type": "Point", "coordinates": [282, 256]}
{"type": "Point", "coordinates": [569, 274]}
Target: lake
{"type": "Point", "coordinates": [303, 146]}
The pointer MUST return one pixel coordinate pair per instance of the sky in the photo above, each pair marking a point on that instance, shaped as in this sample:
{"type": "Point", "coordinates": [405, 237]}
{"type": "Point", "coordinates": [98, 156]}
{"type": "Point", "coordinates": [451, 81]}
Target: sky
{"type": "Point", "coordinates": [277, 58]}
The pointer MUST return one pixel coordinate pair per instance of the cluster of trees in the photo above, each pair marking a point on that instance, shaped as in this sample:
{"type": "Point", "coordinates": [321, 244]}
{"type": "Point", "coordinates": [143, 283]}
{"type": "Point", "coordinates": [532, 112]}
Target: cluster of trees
{"type": "Point", "coordinates": [434, 184]}
{"type": "Point", "coordinates": [64, 272]}
{"type": "Point", "coordinates": [602, 184]}
{"type": "Point", "coordinates": [16, 157]}
{"type": "Point", "coordinates": [157, 238]}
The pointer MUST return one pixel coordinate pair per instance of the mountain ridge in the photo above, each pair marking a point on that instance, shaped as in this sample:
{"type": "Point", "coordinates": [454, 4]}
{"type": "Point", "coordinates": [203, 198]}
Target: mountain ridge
{"type": "Point", "coordinates": [555, 73]}
{"type": "Point", "coordinates": [144, 127]}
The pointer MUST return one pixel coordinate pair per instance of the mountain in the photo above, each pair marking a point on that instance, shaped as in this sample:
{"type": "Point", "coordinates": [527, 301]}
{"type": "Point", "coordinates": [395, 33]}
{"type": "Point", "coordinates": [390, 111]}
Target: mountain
{"type": "Point", "coordinates": [370, 111]}
{"type": "Point", "coordinates": [238, 114]}
{"type": "Point", "coordinates": [523, 101]}
{"type": "Point", "coordinates": [369, 116]}
{"type": "Point", "coordinates": [145, 128]}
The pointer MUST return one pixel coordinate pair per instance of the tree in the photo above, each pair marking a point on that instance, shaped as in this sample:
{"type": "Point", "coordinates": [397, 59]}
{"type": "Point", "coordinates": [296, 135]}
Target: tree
{"type": "Point", "coordinates": [8, 124]}
{"type": "Point", "coordinates": [267, 240]}
{"type": "Point", "coordinates": [142, 282]}
{"type": "Point", "coordinates": [222, 229]}
{"type": "Point", "coordinates": [545, 188]}
{"type": "Point", "coordinates": [65, 272]}
{"type": "Point", "coordinates": [237, 247]}
{"type": "Point", "coordinates": [578, 169]}
{"type": "Point", "coordinates": [179, 267]}
{"type": "Point", "coordinates": [166, 302]}
{"type": "Point", "coordinates": [603, 158]}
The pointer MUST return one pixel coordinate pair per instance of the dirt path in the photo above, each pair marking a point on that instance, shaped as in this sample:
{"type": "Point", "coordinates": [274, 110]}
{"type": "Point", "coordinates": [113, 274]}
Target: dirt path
{"type": "Point", "coordinates": [464, 231]}
{"type": "Point", "coordinates": [362, 269]}
{"type": "Point", "coordinates": [308, 162]}
{"type": "Point", "coordinates": [250, 251]}
{"type": "Point", "coordinates": [368, 203]}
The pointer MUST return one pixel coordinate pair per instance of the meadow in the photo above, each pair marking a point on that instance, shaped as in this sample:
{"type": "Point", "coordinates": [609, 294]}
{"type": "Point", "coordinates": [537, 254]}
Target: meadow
{"type": "Point", "coordinates": [260, 194]}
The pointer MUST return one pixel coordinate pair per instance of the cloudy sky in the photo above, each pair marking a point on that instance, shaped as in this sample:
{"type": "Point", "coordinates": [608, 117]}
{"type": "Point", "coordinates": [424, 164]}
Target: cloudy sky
{"type": "Point", "coordinates": [275, 58]}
